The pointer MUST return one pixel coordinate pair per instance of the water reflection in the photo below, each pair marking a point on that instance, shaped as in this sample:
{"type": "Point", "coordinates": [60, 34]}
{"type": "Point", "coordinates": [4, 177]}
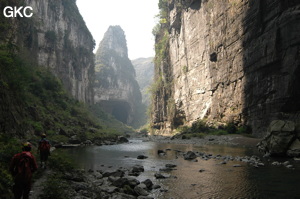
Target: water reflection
{"type": "Point", "coordinates": [217, 180]}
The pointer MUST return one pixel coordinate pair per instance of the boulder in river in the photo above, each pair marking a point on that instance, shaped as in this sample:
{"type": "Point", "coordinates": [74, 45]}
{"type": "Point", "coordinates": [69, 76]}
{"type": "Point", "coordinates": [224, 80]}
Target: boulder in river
{"type": "Point", "coordinates": [161, 152]}
{"type": "Point", "coordinates": [117, 173]}
{"type": "Point", "coordinates": [171, 165]}
{"type": "Point", "coordinates": [120, 182]}
{"type": "Point", "coordinates": [136, 170]}
{"type": "Point", "coordinates": [142, 157]}
{"type": "Point", "coordinates": [148, 183]}
{"type": "Point", "coordinates": [281, 140]}
{"type": "Point", "coordinates": [294, 149]}
{"type": "Point", "coordinates": [122, 139]}
{"type": "Point", "coordinates": [140, 191]}
{"type": "Point", "coordinates": [159, 176]}
{"type": "Point", "coordinates": [190, 155]}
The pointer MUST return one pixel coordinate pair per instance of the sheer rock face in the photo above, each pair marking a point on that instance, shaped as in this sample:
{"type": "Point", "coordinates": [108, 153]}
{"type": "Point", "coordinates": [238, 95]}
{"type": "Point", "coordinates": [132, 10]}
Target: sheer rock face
{"type": "Point", "coordinates": [59, 39]}
{"type": "Point", "coordinates": [115, 86]}
{"type": "Point", "coordinates": [233, 61]}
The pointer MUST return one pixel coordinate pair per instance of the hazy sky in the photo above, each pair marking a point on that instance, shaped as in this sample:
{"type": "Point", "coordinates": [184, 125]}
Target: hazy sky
{"type": "Point", "coordinates": [136, 18]}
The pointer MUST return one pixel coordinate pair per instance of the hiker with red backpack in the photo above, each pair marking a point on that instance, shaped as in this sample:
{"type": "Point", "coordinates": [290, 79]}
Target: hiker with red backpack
{"type": "Point", "coordinates": [44, 149]}
{"type": "Point", "coordinates": [21, 167]}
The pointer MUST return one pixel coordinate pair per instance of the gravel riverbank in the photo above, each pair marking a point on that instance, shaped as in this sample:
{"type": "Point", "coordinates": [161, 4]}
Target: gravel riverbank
{"type": "Point", "coordinates": [233, 139]}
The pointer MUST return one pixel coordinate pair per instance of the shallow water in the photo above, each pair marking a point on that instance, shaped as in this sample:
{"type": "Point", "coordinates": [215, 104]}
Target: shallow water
{"type": "Point", "coordinates": [217, 181]}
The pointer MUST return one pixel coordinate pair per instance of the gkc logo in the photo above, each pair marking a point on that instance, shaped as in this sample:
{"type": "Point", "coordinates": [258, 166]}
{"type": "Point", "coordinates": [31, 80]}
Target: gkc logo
{"type": "Point", "coordinates": [9, 11]}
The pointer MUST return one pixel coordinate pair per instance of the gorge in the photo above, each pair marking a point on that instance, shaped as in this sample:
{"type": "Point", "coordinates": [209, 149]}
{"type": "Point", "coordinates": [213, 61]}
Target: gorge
{"type": "Point", "coordinates": [218, 64]}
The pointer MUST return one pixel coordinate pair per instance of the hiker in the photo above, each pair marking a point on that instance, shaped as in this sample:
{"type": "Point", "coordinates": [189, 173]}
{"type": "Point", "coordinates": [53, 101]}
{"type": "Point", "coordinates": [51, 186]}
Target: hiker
{"type": "Point", "coordinates": [44, 149]}
{"type": "Point", "coordinates": [21, 167]}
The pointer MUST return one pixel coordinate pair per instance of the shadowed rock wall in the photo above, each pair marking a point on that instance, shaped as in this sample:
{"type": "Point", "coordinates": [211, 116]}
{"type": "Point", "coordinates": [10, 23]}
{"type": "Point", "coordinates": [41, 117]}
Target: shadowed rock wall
{"type": "Point", "coordinates": [231, 61]}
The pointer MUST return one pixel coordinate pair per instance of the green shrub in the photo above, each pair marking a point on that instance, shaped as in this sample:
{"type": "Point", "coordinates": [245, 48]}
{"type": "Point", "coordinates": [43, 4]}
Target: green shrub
{"type": "Point", "coordinates": [199, 135]}
{"type": "Point", "coordinates": [184, 129]}
{"type": "Point", "coordinates": [219, 132]}
{"type": "Point", "coordinates": [230, 128]}
{"type": "Point", "coordinates": [199, 126]}
{"type": "Point", "coordinates": [6, 182]}
{"type": "Point", "coordinates": [193, 135]}
{"type": "Point", "coordinates": [9, 147]}
{"type": "Point", "coordinates": [144, 130]}
{"type": "Point", "coordinates": [37, 126]}
{"type": "Point", "coordinates": [186, 137]}
{"type": "Point", "coordinates": [244, 130]}
{"type": "Point", "coordinates": [58, 138]}
{"type": "Point", "coordinates": [60, 161]}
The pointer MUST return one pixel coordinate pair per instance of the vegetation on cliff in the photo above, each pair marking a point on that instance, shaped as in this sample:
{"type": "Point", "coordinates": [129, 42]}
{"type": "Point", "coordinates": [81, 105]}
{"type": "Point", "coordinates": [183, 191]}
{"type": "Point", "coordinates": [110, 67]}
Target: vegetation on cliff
{"type": "Point", "coordinates": [34, 101]}
{"type": "Point", "coordinates": [162, 88]}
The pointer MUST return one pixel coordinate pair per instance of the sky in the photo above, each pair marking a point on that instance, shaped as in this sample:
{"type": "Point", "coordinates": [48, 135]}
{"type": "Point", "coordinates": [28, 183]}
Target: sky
{"type": "Point", "coordinates": [136, 18]}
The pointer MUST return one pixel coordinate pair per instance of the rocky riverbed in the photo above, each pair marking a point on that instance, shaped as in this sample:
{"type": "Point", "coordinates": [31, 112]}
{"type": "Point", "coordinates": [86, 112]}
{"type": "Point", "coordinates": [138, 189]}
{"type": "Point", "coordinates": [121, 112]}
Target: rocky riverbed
{"type": "Point", "coordinates": [124, 182]}
{"type": "Point", "coordinates": [232, 139]}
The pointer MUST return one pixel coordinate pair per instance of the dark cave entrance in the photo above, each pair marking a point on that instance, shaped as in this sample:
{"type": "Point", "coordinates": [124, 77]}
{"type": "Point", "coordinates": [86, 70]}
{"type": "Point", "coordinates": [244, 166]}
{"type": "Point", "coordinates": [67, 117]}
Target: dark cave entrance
{"type": "Point", "coordinates": [119, 109]}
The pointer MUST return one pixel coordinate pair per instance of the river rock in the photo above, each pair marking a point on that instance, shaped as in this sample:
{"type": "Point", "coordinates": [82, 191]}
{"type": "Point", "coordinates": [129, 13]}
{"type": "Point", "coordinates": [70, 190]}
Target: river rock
{"type": "Point", "coordinates": [122, 139]}
{"type": "Point", "coordinates": [159, 176]}
{"type": "Point", "coordinates": [98, 175]}
{"type": "Point", "coordinates": [122, 196]}
{"type": "Point", "coordinates": [88, 142]}
{"type": "Point", "coordinates": [279, 139]}
{"type": "Point", "coordinates": [74, 140]}
{"type": "Point", "coordinates": [142, 157]}
{"type": "Point", "coordinates": [289, 166]}
{"type": "Point", "coordinates": [294, 149]}
{"type": "Point", "coordinates": [132, 181]}
{"type": "Point", "coordinates": [77, 186]}
{"type": "Point", "coordinates": [156, 186]}
{"type": "Point", "coordinates": [171, 165]}
{"type": "Point", "coordinates": [148, 183]}
{"type": "Point", "coordinates": [237, 165]}
{"type": "Point", "coordinates": [138, 168]}
{"type": "Point", "coordinates": [113, 179]}
{"type": "Point", "coordinates": [139, 190]}
{"type": "Point", "coordinates": [190, 155]}
{"type": "Point", "coordinates": [276, 163]}
{"type": "Point", "coordinates": [76, 176]}
{"type": "Point", "coordinates": [120, 182]}
{"type": "Point", "coordinates": [145, 197]}
{"type": "Point", "coordinates": [109, 189]}
{"type": "Point", "coordinates": [159, 151]}
{"type": "Point", "coordinates": [117, 173]}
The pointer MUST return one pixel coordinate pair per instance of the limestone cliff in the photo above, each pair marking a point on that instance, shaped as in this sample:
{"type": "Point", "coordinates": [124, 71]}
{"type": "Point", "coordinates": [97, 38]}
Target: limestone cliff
{"type": "Point", "coordinates": [116, 89]}
{"type": "Point", "coordinates": [58, 39]}
{"type": "Point", "coordinates": [227, 61]}
{"type": "Point", "coordinates": [55, 37]}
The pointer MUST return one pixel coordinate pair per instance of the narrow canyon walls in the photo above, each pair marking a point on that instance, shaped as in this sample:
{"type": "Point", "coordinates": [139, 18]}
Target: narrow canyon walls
{"type": "Point", "coordinates": [229, 61]}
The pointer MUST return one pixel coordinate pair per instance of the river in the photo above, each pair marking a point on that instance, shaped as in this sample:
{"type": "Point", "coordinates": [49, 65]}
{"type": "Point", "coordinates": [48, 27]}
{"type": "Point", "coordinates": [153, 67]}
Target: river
{"type": "Point", "coordinates": [186, 182]}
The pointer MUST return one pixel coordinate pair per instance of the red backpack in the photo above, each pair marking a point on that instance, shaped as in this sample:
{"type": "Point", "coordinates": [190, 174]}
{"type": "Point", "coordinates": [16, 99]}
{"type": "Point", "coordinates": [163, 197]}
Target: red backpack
{"type": "Point", "coordinates": [44, 146]}
{"type": "Point", "coordinates": [23, 169]}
